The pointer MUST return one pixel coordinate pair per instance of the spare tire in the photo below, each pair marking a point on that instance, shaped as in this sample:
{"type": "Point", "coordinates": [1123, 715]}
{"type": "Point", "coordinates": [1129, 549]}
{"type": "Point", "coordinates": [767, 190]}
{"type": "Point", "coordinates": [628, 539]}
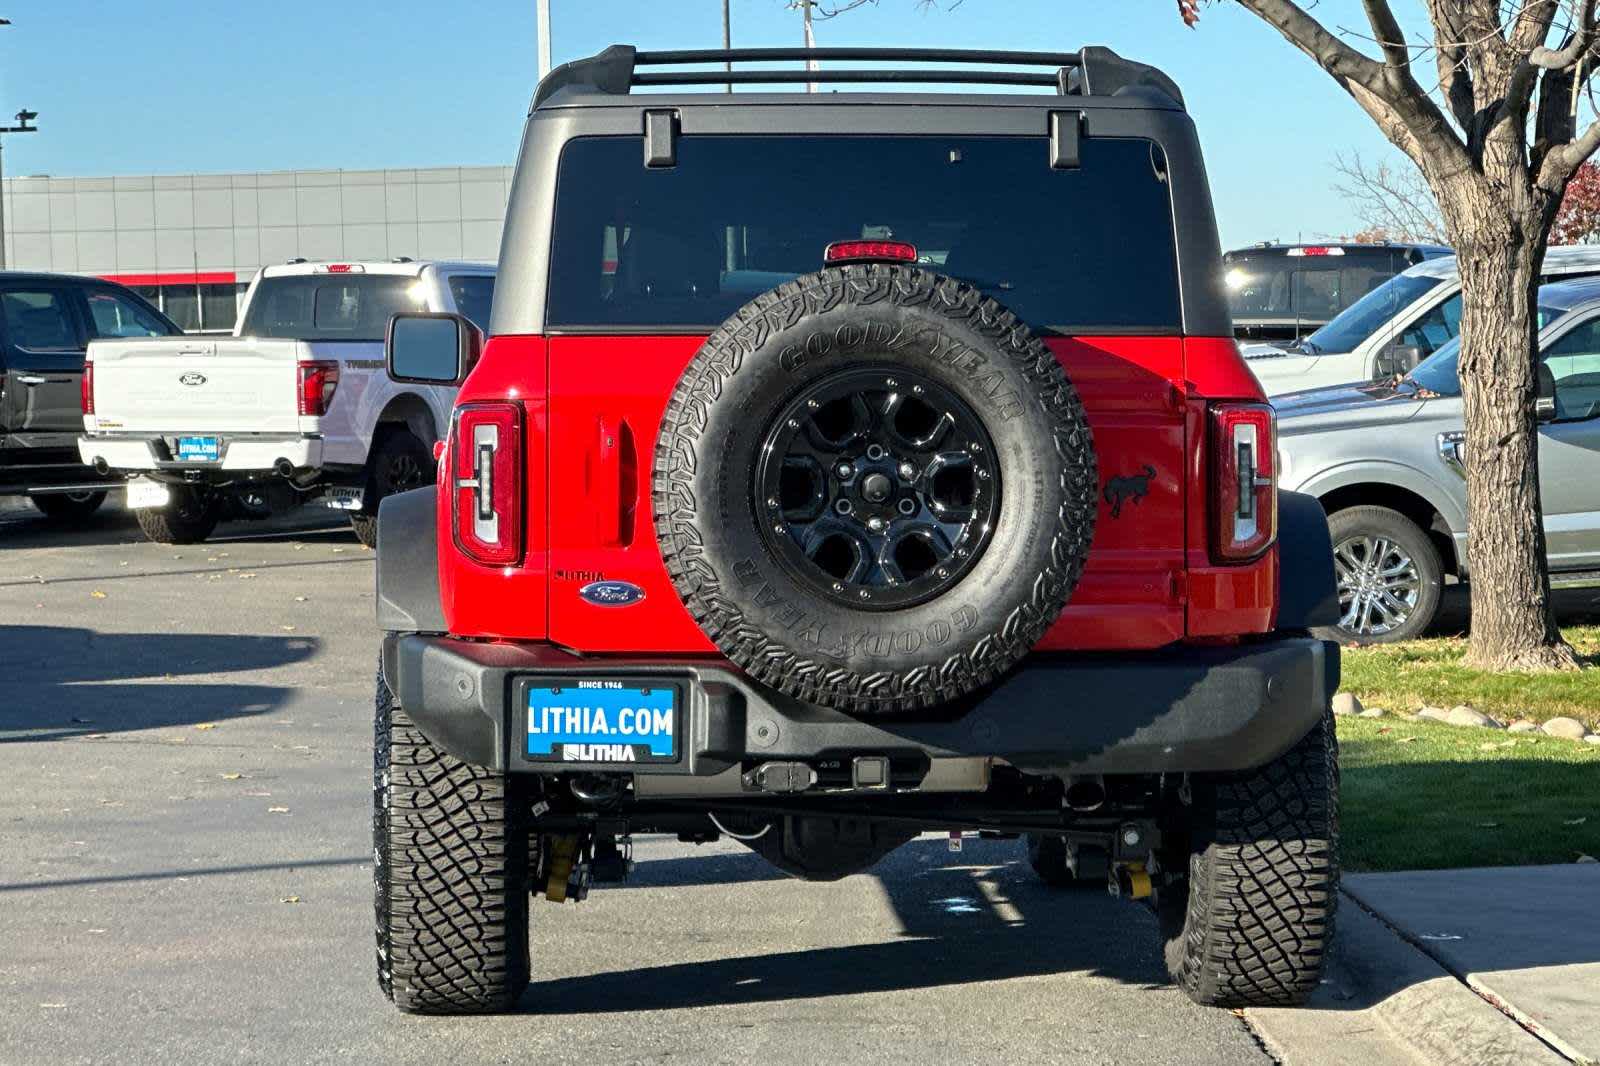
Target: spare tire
{"type": "Point", "coordinates": [874, 488]}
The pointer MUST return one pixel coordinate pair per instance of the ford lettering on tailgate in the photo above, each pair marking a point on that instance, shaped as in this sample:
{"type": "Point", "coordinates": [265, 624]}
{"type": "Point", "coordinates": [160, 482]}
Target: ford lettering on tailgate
{"type": "Point", "coordinates": [602, 721]}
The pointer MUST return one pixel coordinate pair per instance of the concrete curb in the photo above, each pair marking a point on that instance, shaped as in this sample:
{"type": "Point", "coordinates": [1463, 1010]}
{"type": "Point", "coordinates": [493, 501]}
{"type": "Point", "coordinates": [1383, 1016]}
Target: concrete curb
{"type": "Point", "coordinates": [1384, 1002]}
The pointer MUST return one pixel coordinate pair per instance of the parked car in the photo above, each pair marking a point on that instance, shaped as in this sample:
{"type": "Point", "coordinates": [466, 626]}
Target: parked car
{"type": "Point", "coordinates": [1392, 328]}
{"type": "Point", "coordinates": [934, 504]}
{"type": "Point", "coordinates": [1281, 292]}
{"type": "Point", "coordinates": [46, 321]}
{"type": "Point", "coordinates": [1385, 460]}
{"type": "Point", "coordinates": [293, 408]}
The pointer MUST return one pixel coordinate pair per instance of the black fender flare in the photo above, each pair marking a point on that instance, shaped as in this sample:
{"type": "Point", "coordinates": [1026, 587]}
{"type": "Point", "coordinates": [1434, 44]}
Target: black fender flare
{"type": "Point", "coordinates": [408, 563]}
{"type": "Point", "coordinates": [1307, 593]}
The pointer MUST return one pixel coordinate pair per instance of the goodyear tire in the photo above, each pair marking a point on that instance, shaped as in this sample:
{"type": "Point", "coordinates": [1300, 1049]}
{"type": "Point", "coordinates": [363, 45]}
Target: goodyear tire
{"type": "Point", "coordinates": [874, 488]}
{"type": "Point", "coordinates": [450, 874]}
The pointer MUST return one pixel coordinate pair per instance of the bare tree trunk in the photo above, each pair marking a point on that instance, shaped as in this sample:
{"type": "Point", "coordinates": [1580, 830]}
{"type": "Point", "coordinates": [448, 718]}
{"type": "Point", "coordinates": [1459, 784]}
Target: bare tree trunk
{"type": "Point", "coordinates": [1513, 620]}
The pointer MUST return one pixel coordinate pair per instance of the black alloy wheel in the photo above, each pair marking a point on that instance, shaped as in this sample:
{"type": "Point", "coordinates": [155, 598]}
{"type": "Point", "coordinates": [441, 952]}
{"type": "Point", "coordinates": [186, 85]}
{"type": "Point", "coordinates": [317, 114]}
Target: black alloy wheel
{"type": "Point", "coordinates": [878, 487]}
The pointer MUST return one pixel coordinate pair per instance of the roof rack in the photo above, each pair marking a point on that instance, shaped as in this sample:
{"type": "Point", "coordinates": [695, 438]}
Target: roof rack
{"type": "Point", "coordinates": [1092, 71]}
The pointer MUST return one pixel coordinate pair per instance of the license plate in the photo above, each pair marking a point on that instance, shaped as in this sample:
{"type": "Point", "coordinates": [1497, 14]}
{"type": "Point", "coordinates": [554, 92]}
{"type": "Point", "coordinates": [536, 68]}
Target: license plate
{"type": "Point", "coordinates": [199, 449]}
{"type": "Point", "coordinates": [340, 499]}
{"type": "Point", "coordinates": [603, 722]}
{"type": "Point", "coordinates": [143, 493]}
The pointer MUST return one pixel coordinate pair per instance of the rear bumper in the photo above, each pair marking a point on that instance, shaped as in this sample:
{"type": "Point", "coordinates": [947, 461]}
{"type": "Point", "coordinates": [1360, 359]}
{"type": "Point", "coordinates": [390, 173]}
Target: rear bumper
{"type": "Point", "coordinates": [242, 454]}
{"type": "Point", "coordinates": [1176, 710]}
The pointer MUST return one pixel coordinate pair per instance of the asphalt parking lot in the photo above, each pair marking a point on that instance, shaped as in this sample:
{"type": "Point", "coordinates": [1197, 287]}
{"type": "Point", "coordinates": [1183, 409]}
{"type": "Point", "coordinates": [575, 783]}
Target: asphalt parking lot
{"type": "Point", "coordinates": [185, 806]}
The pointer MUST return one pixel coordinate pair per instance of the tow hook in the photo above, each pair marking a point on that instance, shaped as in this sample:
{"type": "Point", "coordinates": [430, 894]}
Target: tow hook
{"type": "Point", "coordinates": [568, 870]}
{"type": "Point", "coordinates": [1133, 861]}
{"type": "Point", "coordinates": [1129, 881]}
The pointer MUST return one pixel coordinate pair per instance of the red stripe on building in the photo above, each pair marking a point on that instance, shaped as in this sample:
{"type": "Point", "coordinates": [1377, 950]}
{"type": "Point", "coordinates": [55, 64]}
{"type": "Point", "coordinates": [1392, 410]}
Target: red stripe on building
{"type": "Point", "coordinates": [210, 277]}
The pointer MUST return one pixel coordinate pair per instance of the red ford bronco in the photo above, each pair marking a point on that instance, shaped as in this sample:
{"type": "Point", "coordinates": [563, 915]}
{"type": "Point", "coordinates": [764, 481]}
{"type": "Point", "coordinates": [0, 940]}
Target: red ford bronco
{"type": "Point", "coordinates": [842, 467]}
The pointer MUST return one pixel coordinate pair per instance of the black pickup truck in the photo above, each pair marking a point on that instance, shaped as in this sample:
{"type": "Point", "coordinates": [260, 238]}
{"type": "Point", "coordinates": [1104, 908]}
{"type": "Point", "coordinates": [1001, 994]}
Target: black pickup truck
{"type": "Point", "coordinates": [46, 323]}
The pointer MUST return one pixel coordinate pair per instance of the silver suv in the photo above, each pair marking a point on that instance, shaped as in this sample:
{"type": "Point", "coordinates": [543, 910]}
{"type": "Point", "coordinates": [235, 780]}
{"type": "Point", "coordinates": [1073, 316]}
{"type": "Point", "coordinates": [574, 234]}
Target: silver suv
{"type": "Point", "coordinates": [1385, 460]}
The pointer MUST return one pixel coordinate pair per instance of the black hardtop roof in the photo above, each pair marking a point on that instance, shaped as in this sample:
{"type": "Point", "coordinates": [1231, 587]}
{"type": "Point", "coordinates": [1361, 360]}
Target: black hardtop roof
{"type": "Point", "coordinates": [45, 275]}
{"type": "Point", "coordinates": [1090, 75]}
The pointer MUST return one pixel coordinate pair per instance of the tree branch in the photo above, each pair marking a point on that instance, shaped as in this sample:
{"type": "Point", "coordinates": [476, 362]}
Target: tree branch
{"type": "Point", "coordinates": [1579, 42]}
{"type": "Point", "coordinates": [1387, 32]}
{"type": "Point", "coordinates": [1401, 107]}
{"type": "Point", "coordinates": [1561, 162]}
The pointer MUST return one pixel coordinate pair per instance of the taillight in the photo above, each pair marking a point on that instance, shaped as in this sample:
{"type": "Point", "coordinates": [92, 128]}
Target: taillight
{"type": "Point", "coordinates": [86, 388]}
{"type": "Point", "coordinates": [1244, 487]}
{"type": "Point", "coordinates": [318, 380]}
{"type": "Point", "coordinates": [486, 481]}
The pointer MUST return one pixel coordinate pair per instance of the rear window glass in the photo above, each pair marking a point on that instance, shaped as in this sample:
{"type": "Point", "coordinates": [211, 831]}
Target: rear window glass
{"type": "Point", "coordinates": [1316, 287]}
{"type": "Point", "coordinates": [687, 245]}
{"type": "Point", "coordinates": [330, 307]}
{"type": "Point", "coordinates": [473, 294]}
{"type": "Point", "coordinates": [1351, 327]}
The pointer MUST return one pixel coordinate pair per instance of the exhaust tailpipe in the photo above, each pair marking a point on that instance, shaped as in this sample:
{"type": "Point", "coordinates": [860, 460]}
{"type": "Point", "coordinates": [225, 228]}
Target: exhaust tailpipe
{"type": "Point", "coordinates": [283, 467]}
{"type": "Point", "coordinates": [1085, 794]}
{"type": "Point", "coordinates": [100, 465]}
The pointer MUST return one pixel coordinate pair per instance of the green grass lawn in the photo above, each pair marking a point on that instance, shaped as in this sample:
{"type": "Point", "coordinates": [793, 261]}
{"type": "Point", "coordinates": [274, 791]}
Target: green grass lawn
{"type": "Point", "coordinates": [1418, 795]}
{"type": "Point", "coordinates": [1403, 677]}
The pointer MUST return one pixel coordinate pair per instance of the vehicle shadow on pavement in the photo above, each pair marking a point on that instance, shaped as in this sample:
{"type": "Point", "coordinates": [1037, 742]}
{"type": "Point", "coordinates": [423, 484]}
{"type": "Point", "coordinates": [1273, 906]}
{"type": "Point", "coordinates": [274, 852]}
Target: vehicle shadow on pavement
{"type": "Point", "coordinates": [114, 528]}
{"type": "Point", "coordinates": [965, 918]}
{"type": "Point", "coordinates": [64, 681]}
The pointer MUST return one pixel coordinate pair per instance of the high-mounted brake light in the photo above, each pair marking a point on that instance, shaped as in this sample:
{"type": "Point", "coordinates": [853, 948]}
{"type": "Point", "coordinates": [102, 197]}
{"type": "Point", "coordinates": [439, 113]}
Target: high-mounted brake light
{"type": "Point", "coordinates": [318, 381]}
{"type": "Point", "coordinates": [485, 487]}
{"type": "Point", "coordinates": [869, 252]}
{"type": "Point", "coordinates": [1244, 486]}
{"type": "Point", "coordinates": [86, 388]}
{"type": "Point", "coordinates": [341, 268]}
{"type": "Point", "coordinates": [1316, 249]}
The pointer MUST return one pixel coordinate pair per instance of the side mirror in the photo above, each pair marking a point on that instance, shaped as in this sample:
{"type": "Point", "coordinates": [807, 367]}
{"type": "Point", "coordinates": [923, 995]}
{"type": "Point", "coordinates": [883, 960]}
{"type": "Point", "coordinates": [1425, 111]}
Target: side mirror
{"type": "Point", "coordinates": [1544, 400]}
{"type": "Point", "coordinates": [1397, 359]}
{"type": "Point", "coordinates": [431, 348]}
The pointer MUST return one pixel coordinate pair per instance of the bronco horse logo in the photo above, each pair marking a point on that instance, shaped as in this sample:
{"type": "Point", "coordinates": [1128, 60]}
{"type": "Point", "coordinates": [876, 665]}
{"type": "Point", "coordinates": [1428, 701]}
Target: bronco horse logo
{"type": "Point", "coordinates": [1133, 487]}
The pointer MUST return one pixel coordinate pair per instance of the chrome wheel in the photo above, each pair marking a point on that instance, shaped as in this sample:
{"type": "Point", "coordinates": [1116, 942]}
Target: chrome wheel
{"type": "Point", "coordinates": [1379, 585]}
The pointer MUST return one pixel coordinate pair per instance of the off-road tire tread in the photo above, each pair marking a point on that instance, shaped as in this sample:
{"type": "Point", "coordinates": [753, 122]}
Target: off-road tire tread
{"type": "Point", "coordinates": [1263, 880]}
{"type": "Point", "coordinates": [719, 615]}
{"type": "Point", "coordinates": [1047, 854]}
{"type": "Point", "coordinates": [450, 875]}
{"type": "Point", "coordinates": [61, 508]}
{"type": "Point", "coordinates": [365, 523]}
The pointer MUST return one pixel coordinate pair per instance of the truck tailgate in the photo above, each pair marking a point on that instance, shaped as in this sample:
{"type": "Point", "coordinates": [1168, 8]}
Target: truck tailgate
{"type": "Point", "coordinates": [197, 385]}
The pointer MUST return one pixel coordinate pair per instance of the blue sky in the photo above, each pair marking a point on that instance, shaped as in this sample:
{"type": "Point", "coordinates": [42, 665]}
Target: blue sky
{"type": "Point", "coordinates": [174, 86]}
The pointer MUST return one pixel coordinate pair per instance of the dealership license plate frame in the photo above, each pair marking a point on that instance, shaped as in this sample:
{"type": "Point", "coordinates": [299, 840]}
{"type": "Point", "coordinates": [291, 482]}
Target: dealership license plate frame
{"type": "Point", "coordinates": [525, 687]}
{"type": "Point", "coordinates": [200, 448]}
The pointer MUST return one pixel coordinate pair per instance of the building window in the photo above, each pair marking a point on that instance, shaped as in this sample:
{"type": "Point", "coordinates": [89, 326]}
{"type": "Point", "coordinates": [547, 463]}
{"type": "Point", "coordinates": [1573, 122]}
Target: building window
{"type": "Point", "coordinates": [182, 305]}
{"type": "Point", "coordinates": [219, 306]}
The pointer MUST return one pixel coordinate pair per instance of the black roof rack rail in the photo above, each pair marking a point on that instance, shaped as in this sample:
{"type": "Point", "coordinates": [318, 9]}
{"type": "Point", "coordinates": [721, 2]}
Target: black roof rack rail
{"type": "Point", "coordinates": [1092, 71]}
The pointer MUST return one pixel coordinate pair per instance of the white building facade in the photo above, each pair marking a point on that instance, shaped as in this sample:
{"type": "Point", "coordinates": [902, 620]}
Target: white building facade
{"type": "Point", "coordinates": [191, 242]}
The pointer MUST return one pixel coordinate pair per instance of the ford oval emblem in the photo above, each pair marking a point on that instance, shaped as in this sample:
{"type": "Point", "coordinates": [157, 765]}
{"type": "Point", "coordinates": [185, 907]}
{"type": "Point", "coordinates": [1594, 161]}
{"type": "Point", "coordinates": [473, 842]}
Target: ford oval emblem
{"type": "Point", "coordinates": [612, 593]}
{"type": "Point", "coordinates": [193, 378]}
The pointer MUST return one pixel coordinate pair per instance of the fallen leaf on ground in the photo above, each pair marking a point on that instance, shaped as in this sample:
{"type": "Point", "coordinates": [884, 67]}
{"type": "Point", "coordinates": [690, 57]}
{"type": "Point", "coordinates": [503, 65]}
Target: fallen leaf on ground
{"type": "Point", "coordinates": [246, 577]}
{"type": "Point", "coordinates": [289, 899]}
{"type": "Point", "coordinates": [206, 725]}
{"type": "Point", "coordinates": [231, 777]}
{"type": "Point", "coordinates": [287, 629]}
{"type": "Point", "coordinates": [97, 594]}
{"type": "Point", "coordinates": [1488, 825]}
{"type": "Point", "coordinates": [299, 599]}
{"type": "Point", "coordinates": [277, 810]}
{"type": "Point", "coordinates": [1406, 740]}
{"type": "Point", "coordinates": [1576, 821]}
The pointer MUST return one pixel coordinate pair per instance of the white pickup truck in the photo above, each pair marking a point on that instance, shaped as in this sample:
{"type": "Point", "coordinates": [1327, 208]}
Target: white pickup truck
{"type": "Point", "coordinates": [294, 408]}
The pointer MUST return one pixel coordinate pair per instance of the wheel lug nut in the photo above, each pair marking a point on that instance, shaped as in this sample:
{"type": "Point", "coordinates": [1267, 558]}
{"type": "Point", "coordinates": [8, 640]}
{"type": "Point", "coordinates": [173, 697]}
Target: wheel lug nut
{"type": "Point", "coordinates": [908, 506]}
{"type": "Point", "coordinates": [874, 451]}
{"type": "Point", "coordinates": [842, 506]}
{"type": "Point", "coordinates": [908, 471]}
{"type": "Point", "coordinates": [772, 501]}
{"type": "Point", "coordinates": [844, 469]}
{"type": "Point", "coordinates": [875, 524]}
